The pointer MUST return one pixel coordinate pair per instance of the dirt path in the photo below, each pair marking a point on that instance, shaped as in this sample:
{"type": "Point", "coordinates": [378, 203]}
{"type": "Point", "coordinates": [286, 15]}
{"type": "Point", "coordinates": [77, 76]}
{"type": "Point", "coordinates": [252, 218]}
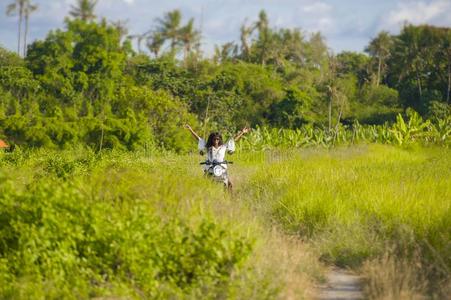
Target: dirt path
{"type": "Point", "coordinates": [341, 285]}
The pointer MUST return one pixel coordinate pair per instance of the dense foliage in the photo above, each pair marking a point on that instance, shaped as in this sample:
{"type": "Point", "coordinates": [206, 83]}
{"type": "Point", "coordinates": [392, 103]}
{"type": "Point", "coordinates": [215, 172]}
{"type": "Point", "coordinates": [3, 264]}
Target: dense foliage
{"type": "Point", "coordinates": [84, 84]}
{"type": "Point", "coordinates": [74, 225]}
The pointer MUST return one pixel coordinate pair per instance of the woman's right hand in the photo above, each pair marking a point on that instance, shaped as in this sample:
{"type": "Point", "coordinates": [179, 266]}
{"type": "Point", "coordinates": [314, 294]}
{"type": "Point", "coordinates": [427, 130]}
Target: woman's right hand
{"type": "Point", "coordinates": [195, 135]}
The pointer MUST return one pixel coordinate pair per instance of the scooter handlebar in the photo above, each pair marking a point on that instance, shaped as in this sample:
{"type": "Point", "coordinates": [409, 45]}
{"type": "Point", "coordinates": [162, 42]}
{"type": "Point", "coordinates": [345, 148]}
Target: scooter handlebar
{"type": "Point", "coordinates": [216, 162]}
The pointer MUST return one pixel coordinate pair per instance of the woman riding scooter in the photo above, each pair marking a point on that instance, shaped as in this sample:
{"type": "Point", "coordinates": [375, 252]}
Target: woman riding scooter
{"type": "Point", "coordinates": [216, 151]}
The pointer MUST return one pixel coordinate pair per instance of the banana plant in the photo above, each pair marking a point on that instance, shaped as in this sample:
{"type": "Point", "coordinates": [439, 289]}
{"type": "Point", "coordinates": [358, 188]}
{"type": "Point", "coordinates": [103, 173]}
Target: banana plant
{"type": "Point", "coordinates": [407, 132]}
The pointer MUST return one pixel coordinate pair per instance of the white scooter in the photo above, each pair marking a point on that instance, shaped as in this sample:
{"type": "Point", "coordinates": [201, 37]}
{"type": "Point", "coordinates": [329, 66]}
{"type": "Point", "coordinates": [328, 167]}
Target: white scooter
{"type": "Point", "coordinates": [217, 171]}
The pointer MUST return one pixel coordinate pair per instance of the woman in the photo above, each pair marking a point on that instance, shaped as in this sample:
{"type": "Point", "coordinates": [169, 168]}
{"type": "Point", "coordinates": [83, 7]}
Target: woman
{"type": "Point", "coordinates": [216, 149]}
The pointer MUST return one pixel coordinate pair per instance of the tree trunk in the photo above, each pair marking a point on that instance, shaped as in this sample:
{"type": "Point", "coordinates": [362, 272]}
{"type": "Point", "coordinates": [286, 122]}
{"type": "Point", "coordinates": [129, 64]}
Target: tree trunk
{"type": "Point", "coordinates": [206, 117]}
{"type": "Point", "coordinates": [25, 36]}
{"type": "Point", "coordinates": [420, 91]}
{"type": "Point", "coordinates": [139, 44]}
{"type": "Point", "coordinates": [102, 130]}
{"type": "Point", "coordinates": [245, 45]}
{"type": "Point", "coordinates": [246, 52]}
{"type": "Point", "coordinates": [185, 56]}
{"type": "Point", "coordinates": [186, 51]}
{"type": "Point", "coordinates": [378, 80]}
{"type": "Point", "coordinates": [340, 113]}
{"type": "Point", "coordinates": [173, 43]}
{"type": "Point", "coordinates": [263, 58]}
{"type": "Point", "coordinates": [20, 28]}
{"type": "Point", "coordinates": [263, 54]}
{"type": "Point", "coordinates": [449, 80]}
{"type": "Point", "coordinates": [101, 139]}
{"type": "Point", "coordinates": [330, 110]}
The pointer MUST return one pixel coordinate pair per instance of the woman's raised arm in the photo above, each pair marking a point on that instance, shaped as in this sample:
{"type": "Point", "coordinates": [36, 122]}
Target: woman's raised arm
{"type": "Point", "coordinates": [194, 134]}
{"type": "Point", "coordinates": [241, 133]}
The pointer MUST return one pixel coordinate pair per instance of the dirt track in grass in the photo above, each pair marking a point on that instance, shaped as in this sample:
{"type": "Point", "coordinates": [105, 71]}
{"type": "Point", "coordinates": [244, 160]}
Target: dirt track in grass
{"type": "Point", "coordinates": [341, 285]}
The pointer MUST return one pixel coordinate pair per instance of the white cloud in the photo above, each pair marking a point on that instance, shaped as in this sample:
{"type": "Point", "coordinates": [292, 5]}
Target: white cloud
{"type": "Point", "coordinates": [314, 17]}
{"type": "Point", "coordinates": [436, 12]}
{"type": "Point", "coordinates": [325, 23]}
{"type": "Point", "coordinates": [317, 7]}
{"type": "Point", "coordinates": [130, 2]}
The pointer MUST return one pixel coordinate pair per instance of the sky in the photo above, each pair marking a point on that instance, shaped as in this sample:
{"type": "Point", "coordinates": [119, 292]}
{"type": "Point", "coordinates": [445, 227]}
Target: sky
{"type": "Point", "coordinates": [347, 25]}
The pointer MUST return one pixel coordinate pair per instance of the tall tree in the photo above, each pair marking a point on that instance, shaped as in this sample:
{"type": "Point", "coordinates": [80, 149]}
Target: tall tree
{"type": "Point", "coordinates": [380, 50]}
{"type": "Point", "coordinates": [139, 39]}
{"type": "Point", "coordinates": [354, 63]}
{"type": "Point", "coordinates": [225, 52]}
{"type": "Point", "coordinates": [448, 69]}
{"type": "Point", "coordinates": [28, 9]}
{"type": "Point", "coordinates": [17, 7]}
{"type": "Point", "coordinates": [331, 86]}
{"type": "Point", "coordinates": [189, 36]}
{"type": "Point", "coordinates": [262, 25]}
{"type": "Point", "coordinates": [408, 65]}
{"type": "Point", "coordinates": [121, 27]}
{"type": "Point", "coordinates": [154, 43]}
{"type": "Point", "coordinates": [84, 10]}
{"type": "Point", "coordinates": [292, 43]}
{"type": "Point", "coordinates": [169, 28]}
{"type": "Point", "coordinates": [317, 55]}
{"type": "Point", "coordinates": [246, 32]}
{"type": "Point", "coordinates": [420, 65]}
{"type": "Point", "coordinates": [339, 89]}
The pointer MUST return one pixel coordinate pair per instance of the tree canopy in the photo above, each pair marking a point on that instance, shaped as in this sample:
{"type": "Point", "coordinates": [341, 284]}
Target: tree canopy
{"type": "Point", "coordinates": [85, 83]}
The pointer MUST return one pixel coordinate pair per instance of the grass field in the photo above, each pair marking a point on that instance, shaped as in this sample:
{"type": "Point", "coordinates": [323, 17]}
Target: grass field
{"type": "Point", "coordinates": [75, 224]}
{"type": "Point", "coordinates": [367, 204]}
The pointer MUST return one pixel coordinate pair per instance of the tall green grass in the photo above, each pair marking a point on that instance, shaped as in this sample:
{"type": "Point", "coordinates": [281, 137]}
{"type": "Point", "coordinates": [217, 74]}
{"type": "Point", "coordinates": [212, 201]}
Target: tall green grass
{"type": "Point", "coordinates": [77, 225]}
{"type": "Point", "coordinates": [357, 203]}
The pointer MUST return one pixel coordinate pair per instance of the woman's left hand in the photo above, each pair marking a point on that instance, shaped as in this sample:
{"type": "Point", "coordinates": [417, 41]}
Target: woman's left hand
{"type": "Point", "coordinates": [245, 130]}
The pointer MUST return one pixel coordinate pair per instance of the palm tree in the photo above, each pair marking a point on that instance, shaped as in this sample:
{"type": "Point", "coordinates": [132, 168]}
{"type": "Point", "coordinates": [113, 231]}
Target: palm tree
{"type": "Point", "coordinates": [244, 36]}
{"type": "Point", "coordinates": [331, 86]}
{"type": "Point", "coordinates": [169, 28]}
{"type": "Point", "coordinates": [155, 42]}
{"type": "Point", "coordinates": [292, 43]}
{"type": "Point", "coordinates": [189, 37]}
{"type": "Point", "coordinates": [28, 9]}
{"type": "Point", "coordinates": [84, 10]}
{"type": "Point", "coordinates": [225, 52]}
{"type": "Point", "coordinates": [407, 53]}
{"type": "Point", "coordinates": [121, 27]}
{"type": "Point", "coordinates": [317, 52]}
{"type": "Point", "coordinates": [262, 25]}
{"type": "Point", "coordinates": [448, 91]}
{"type": "Point", "coordinates": [139, 39]}
{"type": "Point", "coordinates": [17, 7]}
{"type": "Point", "coordinates": [380, 48]}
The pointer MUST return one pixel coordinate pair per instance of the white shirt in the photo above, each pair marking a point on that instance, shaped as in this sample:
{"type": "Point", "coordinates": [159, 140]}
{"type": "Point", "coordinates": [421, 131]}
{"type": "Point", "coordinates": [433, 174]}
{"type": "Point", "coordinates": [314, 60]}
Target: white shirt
{"type": "Point", "coordinates": [219, 153]}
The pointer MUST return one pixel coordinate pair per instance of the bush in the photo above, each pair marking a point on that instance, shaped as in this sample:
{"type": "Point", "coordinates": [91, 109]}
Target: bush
{"type": "Point", "coordinates": [439, 110]}
{"type": "Point", "coordinates": [80, 238]}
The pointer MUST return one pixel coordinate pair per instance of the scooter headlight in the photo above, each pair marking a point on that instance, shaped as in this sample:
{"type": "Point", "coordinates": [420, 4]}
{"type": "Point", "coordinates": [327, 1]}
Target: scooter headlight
{"type": "Point", "coordinates": [218, 171]}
